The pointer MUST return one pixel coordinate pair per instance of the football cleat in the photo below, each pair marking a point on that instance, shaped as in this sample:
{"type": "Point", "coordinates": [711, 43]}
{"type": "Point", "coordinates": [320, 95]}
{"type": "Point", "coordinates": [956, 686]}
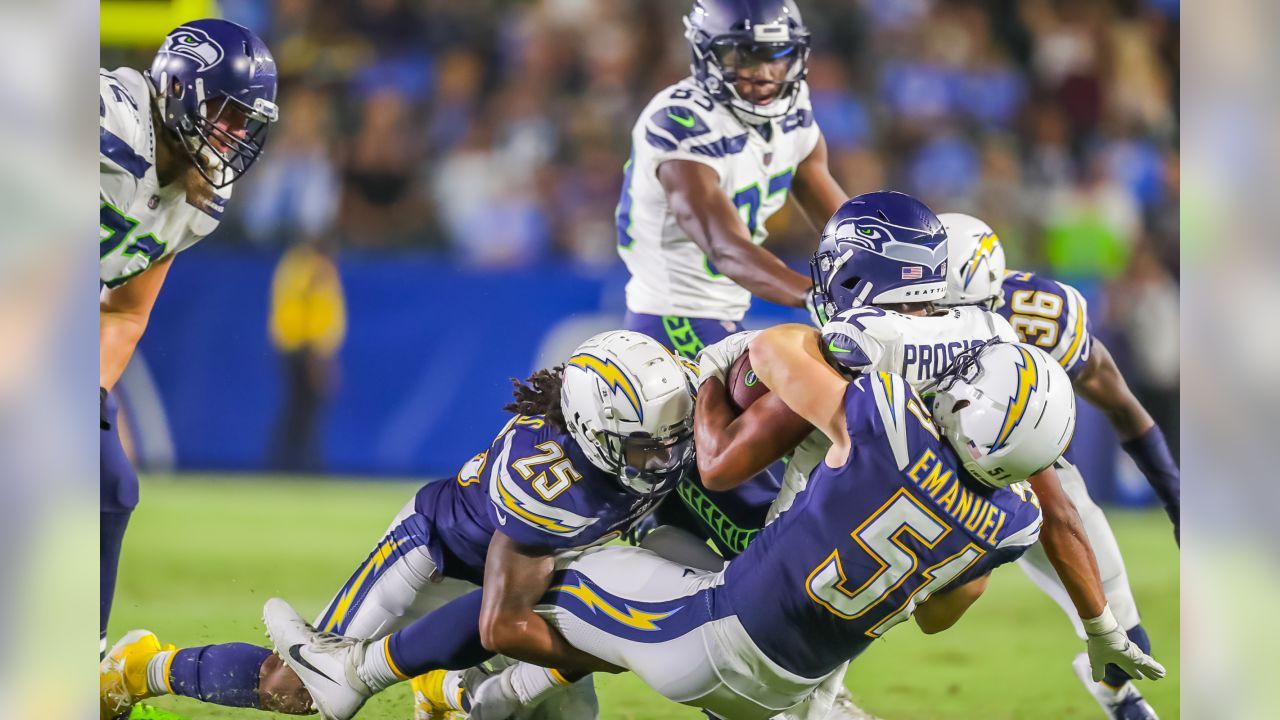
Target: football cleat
{"type": "Point", "coordinates": [326, 663]}
{"type": "Point", "coordinates": [122, 674]}
{"type": "Point", "coordinates": [1126, 703]}
{"type": "Point", "coordinates": [428, 697]}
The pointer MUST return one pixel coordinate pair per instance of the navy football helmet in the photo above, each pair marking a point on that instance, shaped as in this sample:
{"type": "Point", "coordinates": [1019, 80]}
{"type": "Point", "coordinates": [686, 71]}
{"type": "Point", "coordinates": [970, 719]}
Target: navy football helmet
{"type": "Point", "coordinates": [216, 82]}
{"type": "Point", "coordinates": [879, 248]}
{"type": "Point", "coordinates": [768, 38]}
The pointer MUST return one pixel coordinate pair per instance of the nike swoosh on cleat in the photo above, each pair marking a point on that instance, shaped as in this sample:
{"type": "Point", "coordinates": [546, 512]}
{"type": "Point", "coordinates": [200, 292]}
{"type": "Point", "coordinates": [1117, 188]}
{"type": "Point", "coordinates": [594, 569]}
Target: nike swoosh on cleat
{"type": "Point", "coordinates": [293, 653]}
{"type": "Point", "coordinates": [832, 347]}
{"type": "Point", "coordinates": [687, 122]}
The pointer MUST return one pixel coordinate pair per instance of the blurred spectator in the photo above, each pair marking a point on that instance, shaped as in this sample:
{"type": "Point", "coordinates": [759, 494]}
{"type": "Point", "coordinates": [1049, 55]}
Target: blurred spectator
{"type": "Point", "coordinates": [308, 325]}
{"type": "Point", "coordinates": [380, 207]}
{"type": "Point", "coordinates": [1144, 307]}
{"type": "Point", "coordinates": [294, 192]}
{"type": "Point", "coordinates": [1091, 227]}
{"type": "Point", "coordinates": [496, 130]}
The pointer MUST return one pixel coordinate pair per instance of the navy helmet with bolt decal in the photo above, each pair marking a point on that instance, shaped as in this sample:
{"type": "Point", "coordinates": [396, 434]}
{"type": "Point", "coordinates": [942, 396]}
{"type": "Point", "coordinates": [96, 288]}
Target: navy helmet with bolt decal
{"type": "Point", "coordinates": [879, 248]}
{"type": "Point", "coordinates": [749, 55]}
{"type": "Point", "coordinates": [216, 83]}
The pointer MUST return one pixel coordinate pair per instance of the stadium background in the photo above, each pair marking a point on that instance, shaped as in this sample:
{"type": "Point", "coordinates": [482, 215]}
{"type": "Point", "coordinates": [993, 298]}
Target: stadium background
{"type": "Point", "coordinates": [435, 214]}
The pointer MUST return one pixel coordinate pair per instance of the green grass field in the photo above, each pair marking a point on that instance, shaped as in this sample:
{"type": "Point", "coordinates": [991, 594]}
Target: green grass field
{"type": "Point", "coordinates": [203, 554]}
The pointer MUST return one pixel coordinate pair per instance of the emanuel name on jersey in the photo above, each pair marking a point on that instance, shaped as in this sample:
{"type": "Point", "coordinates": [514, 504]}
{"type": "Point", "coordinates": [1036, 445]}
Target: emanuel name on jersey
{"type": "Point", "coordinates": [670, 275]}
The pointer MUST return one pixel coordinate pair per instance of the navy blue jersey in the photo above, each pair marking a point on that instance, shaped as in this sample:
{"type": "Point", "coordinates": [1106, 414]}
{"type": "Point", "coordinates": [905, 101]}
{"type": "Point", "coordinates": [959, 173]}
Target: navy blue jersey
{"type": "Point", "coordinates": [1051, 315]}
{"type": "Point", "coordinates": [533, 485]}
{"type": "Point", "coordinates": [866, 542]}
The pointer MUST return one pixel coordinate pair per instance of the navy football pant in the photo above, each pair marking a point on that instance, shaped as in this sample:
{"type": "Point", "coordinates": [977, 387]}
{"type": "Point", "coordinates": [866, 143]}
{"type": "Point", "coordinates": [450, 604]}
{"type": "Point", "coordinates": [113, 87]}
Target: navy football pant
{"type": "Point", "coordinates": [117, 497]}
{"type": "Point", "coordinates": [728, 519]}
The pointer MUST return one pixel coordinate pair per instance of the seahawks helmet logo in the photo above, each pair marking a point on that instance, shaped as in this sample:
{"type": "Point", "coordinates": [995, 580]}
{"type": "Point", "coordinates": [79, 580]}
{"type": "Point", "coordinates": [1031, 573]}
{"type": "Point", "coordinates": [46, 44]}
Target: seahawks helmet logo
{"type": "Point", "coordinates": [877, 236]}
{"type": "Point", "coordinates": [193, 44]}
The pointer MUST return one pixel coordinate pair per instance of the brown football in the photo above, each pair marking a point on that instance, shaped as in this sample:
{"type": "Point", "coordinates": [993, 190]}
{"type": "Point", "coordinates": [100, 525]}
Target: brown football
{"type": "Point", "coordinates": [744, 387]}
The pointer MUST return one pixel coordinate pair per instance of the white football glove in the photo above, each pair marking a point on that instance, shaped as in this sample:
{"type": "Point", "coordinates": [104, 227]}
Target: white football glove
{"type": "Point", "coordinates": [1108, 644]}
{"type": "Point", "coordinates": [715, 360]}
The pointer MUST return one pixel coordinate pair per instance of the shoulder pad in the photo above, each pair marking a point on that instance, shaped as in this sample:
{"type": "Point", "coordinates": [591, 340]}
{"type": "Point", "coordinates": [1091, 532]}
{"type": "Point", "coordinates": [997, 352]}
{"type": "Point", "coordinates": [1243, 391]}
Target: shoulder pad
{"type": "Point", "coordinates": [853, 338]}
{"type": "Point", "coordinates": [682, 120]}
{"type": "Point", "coordinates": [801, 115]}
{"type": "Point", "coordinates": [124, 121]}
{"type": "Point", "coordinates": [512, 473]}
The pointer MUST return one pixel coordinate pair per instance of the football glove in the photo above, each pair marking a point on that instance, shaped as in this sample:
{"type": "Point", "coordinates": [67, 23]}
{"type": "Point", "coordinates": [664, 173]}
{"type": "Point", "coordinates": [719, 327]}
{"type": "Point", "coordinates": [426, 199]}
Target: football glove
{"type": "Point", "coordinates": [715, 360]}
{"type": "Point", "coordinates": [103, 421]}
{"type": "Point", "coordinates": [1108, 644]}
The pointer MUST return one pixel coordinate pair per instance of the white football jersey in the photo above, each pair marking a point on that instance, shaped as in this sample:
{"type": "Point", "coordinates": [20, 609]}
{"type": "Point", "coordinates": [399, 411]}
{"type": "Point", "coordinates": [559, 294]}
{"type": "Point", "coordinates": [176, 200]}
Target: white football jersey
{"type": "Point", "coordinates": [915, 347]}
{"type": "Point", "coordinates": [670, 275]}
{"type": "Point", "coordinates": [140, 221]}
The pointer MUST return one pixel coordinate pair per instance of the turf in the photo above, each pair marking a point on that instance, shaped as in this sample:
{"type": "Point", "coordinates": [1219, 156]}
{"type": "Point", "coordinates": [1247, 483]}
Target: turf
{"type": "Point", "coordinates": [204, 553]}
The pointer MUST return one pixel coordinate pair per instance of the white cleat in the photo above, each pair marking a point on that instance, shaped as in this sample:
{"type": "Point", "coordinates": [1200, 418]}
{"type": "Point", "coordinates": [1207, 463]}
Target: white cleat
{"type": "Point", "coordinates": [326, 663]}
{"type": "Point", "coordinates": [1126, 703]}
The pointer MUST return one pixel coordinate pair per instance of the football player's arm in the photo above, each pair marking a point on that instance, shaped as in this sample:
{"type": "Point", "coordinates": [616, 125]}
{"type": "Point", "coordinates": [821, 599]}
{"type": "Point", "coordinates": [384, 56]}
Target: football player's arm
{"type": "Point", "coordinates": [516, 576]}
{"type": "Point", "coordinates": [733, 448]}
{"type": "Point", "coordinates": [122, 317]}
{"type": "Point", "coordinates": [1101, 383]}
{"type": "Point", "coordinates": [1065, 542]}
{"type": "Point", "coordinates": [1067, 547]}
{"type": "Point", "coordinates": [710, 220]}
{"type": "Point", "coordinates": [788, 360]}
{"type": "Point", "coordinates": [942, 610]}
{"type": "Point", "coordinates": [817, 192]}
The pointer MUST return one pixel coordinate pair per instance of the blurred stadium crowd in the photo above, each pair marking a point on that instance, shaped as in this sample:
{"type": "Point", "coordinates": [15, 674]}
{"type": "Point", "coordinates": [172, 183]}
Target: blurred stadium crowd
{"type": "Point", "coordinates": [496, 130]}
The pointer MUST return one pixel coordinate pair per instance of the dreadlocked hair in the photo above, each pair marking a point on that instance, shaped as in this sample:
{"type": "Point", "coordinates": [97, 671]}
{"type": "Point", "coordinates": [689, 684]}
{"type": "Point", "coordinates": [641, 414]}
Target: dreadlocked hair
{"type": "Point", "coordinates": [539, 394]}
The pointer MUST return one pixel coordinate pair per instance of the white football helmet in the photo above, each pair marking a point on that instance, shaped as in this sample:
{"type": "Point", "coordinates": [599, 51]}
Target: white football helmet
{"type": "Point", "coordinates": [1007, 409]}
{"type": "Point", "coordinates": [628, 402]}
{"type": "Point", "coordinates": [975, 262]}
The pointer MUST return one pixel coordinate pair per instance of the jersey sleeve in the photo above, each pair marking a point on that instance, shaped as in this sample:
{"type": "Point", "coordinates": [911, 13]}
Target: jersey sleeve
{"type": "Point", "coordinates": [849, 340]}
{"type": "Point", "coordinates": [120, 124]}
{"type": "Point", "coordinates": [1077, 336]}
{"type": "Point", "coordinates": [525, 500]}
{"type": "Point", "coordinates": [676, 126]}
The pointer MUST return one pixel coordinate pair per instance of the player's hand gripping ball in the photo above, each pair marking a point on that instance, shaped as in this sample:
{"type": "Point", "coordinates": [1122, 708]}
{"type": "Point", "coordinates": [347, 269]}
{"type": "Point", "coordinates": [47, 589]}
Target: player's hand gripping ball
{"type": "Point", "coordinates": [744, 387]}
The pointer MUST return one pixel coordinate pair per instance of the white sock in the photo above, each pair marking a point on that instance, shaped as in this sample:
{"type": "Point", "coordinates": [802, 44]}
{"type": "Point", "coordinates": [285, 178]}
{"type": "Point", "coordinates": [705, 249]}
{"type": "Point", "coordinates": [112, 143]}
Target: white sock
{"type": "Point", "coordinates": [376, 670]}
{"type": "Point", "coordinates": [158, 673]}
{"type": "Point", "coordinates": [453, 691]}
{"type": "Point", "coordinates": [531, 682]}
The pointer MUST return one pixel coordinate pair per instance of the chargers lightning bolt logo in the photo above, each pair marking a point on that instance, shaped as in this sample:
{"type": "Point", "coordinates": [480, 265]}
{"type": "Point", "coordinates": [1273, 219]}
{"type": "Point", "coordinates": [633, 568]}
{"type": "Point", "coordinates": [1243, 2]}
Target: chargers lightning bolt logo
{"type": "Point", "coordinates": [985, 246]}
{"type": "Point", "coordinates": [613, 377]}
{"type": "Point", "coordinates": [1028, 372]}
{"type": "Point", "coordinates": [632, 618]}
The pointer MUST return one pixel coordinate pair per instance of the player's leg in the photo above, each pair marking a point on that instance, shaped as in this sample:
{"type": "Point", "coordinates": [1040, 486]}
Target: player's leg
{"type": "Point", "coordinates": [683, 336]}
{"type": "Point", "coordinates": [635, 609]}
{"type": "Point", "coordinates": [1115, 693]}
{"type": "Point", "coordinates": [386, 589]}
{"type": "Point", "coordinates": [117, 497]}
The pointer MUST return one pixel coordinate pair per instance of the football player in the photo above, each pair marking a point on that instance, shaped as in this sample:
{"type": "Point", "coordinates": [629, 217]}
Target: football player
{"type": "Point", "coordinates": [713, 157]}
{"type": "Point", "coordinates": [1054, 317]}
{"type": "Point", "coordinates": [592, 446]}
{"type": "Point", "coordinates": [761, 635]}
{"type": "Point", "coordinates": [880, 267]}
{"type": "Point", "coordinates": [172, 140]}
